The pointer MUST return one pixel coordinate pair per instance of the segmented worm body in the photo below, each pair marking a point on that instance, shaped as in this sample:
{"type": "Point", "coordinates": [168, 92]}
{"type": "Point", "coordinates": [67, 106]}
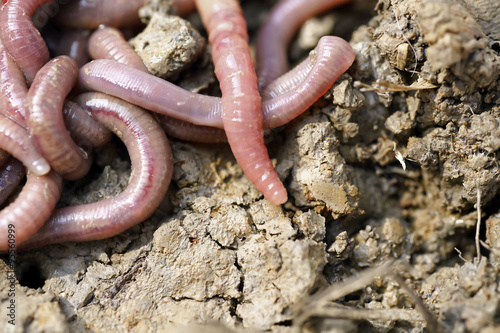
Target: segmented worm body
{"type": "Point", "coordinates": [184, 130]}
{"type": "Point", "coordinates": [109, 43]}
{"type": "Point", "coordinates": [149, 92]}
{"type": "Point", "coordinates": [42, 188]}
{"type": "Point", "coordinates": [13, 88]}
{"type": "Point", "coordinates": [15, 140]}
{"type": "Point", "coordinates": [242, 111]}
{"type": "Point", "coordinates": [40, 192]}
{"type": "Point", "coordinates": [12, 171]}
{"type": "Point", "coordinates": [277, 32]}
{"type": "Point", "coordinates": [20, 37]}
{"type": "Point", "coordinates": [85, 131]}
{"type": "Point", "coordinates": [241, 102]}
{"type": "Point", "coordinates": [46, 125]}
{"type": "Point", "coordinates": [295, 91]}
{"type": "Point", "coordinates": [152, 166]}
{"type": "Point", "coordinates": [283, 100]}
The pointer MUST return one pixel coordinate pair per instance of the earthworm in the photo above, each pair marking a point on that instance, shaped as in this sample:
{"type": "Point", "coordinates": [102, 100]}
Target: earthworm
{"type": "Point", "coordinates": [31, 208]}
{"type": "Point", "coordinates": [84, 14]}
{"type": "Point", "coordinates": [44, 102]}
{"type": "Point", "coordinates": [13, 88]}
{"type": "Point", "coordinates": [151, 173]}
{"type": "Point", "coordinates": [42, 188]}
{"type": "Point", "coordinates": [109, 43]}
{"type": "Point", "coordinates": [183, 130]}
{"type": "Point", "coordinates": [149, 92]}
{"type": "Point", "coordinates": [298, 89]}
{"type": "Point", "coordinates": [280, 26]}
{"type": "Point", "coordinates": [241, 101]}
{"type": "Point", "coordinates": [73, 43]}
{"type": "Point", "coordinates": [20, 37]}
{"type": "Point", "coordinates": [285, 99]}
{"type": "Point", "coordinates": [11, 174]}
{"type": "Point", "coordinates": [15, 140]}
{"type": "Point", "coordinates": [85, 131]}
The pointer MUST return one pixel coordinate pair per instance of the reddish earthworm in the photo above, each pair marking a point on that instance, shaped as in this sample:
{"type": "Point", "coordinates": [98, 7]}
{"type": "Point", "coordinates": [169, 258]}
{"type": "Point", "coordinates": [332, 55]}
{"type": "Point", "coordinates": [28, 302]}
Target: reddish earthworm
{"type": "Point", "coordinates": [152, 166]}
{"type": "Point", "coordinates": [11, 174]}
{"type": "Point", "coordinates": [73, 43]}
{"type": "Point", "coordinates": [15, 140]}
{"type": "Point", "coordinates": [13, 88]}
{"type": "Point", "coordinates": [42, 188]}
{"type": "Point", "coordinates": [298, 89]}
{"type": "Point", "coordinates": [292, 93]}
{"type": "Point", "coordinates": [31, 208]}
{"type": "Point", "coordinates": [183, 130]}
{"type": "Point", "coordinates": [241, 101]}
{"type": "Point", "coordinates": [20, 37]}
{"type": "Point", "coordinates": [149, 92]}
{"type": "Point", "coordinates": [109, 43]}
{"type": "Point", "coordinates": [283, 100]}
{"type": "Point", "coordinates": [85, 131]}
{"type": "Point", "coordinates": [84, 14]}
{"type": "Point", "coordinates": [46, 125]}
{"type": "Point", "coordinates": [276, 33]}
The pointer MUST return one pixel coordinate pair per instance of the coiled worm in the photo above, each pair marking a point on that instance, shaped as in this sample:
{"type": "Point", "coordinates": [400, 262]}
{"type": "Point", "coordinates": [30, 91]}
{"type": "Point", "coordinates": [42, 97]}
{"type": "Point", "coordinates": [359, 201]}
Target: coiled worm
{"type": "Point", "coordinates": [151, 173]}
{"type": "Point", "coordinates": [109, 43]}
{"type": "Point", "coordinates": [20, 37]}
{"type": "Point", "coordinates": [280, 26]}
{"type": "Point", "coordinates": [46, 125]}
{"type": "Point", "coordinates": [15, 140]}
{"type": "Point", "coordinates": [284, 100]}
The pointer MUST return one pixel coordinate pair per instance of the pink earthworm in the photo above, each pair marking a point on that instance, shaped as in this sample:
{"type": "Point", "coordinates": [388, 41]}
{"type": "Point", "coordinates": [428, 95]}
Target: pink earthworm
{"type": "Point", "coordinates": [11, 174]}
{"type": "Point", "coordinates": [73, 43]}
{"type": "Point", "coordinates": [85, 131]}
{"type": "Point", "coordinates": [42, 188]}
{"type": "Point", "coordinates": [13, 89]}
{"type": "Point", "coordinates": [15, 140]}
{"type": "Point", "coordinates": [284, 100]}
{"type": "Point", "coordinates": [276, 33]}
{"type": "Point", "coordinates": [31, 208]}
{"type": "Point", "coordinates": [299, 88]}
{"type": "Point", "coordinates": [109, 43]}
{"type": "Point", "coordinates": [241, 102]}
{"type": "Point", "coordinates": [152, 166]}
{"type": "Point", "coordinates": [184, 130]}
{"type": "Point", "coordinates": [46, 125]}
{"type": "Point", "coordinates": [149, 92]}
{"type": "Point", "coordinates": [84, 14]}
{"type": "Point", "coordinates": [20, 37]}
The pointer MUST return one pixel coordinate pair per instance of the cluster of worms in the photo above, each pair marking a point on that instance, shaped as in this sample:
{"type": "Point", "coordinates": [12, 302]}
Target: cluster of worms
{"type": "Point", "coordinates": [55, 111]}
